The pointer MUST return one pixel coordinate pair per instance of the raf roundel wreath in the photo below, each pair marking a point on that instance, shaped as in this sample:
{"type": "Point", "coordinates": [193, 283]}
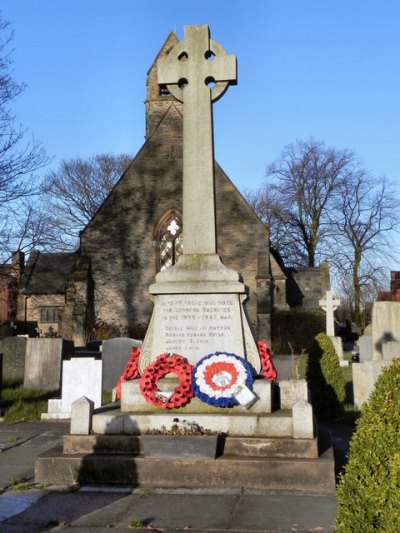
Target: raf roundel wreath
{"type": "Point", "coordinates": [218, 377]}
{"type": "Point", "coordinates": [163, 365]}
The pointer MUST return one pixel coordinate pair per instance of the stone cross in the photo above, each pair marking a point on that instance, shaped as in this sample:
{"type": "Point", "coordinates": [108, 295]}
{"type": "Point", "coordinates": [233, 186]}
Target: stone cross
{"type": "Point", "coordinates": [329, 304]}
{"type": "Point", "coordinates": [197, 72]}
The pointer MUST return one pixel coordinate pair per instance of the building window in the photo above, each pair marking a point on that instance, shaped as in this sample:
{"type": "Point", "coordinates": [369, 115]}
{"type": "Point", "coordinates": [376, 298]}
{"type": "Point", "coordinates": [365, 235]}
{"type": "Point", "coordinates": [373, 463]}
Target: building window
{"type": "Point", "coordinates": [169, 239]}
{"type": "Point", "coordinates": [49, 314]}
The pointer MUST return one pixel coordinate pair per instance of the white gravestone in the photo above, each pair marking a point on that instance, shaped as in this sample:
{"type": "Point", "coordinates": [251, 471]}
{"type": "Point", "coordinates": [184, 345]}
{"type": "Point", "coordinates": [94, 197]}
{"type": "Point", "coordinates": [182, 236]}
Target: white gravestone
{"type": "Point", "coordinates": [198, 303]}
{"type": "Point", "coordinates": [329, 304]}
{"type": "Point", "coordinates": [81, 376]}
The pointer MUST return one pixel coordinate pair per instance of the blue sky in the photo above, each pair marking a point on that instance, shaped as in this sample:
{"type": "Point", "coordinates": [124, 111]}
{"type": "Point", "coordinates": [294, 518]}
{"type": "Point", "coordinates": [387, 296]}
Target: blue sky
{"type": "Point", "coordinates": [327, 69]}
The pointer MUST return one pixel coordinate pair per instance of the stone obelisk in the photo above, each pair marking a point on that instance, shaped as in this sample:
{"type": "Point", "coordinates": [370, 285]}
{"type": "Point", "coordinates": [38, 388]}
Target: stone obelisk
{"type": "Point", "coordinates": [198, 303]}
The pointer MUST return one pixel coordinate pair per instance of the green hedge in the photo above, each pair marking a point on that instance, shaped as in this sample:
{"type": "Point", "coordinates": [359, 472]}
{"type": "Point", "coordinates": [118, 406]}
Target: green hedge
{"type": "Point", "coordinates": [369, 489]}
{"type": "Point", "coordinates": [297, 327]}
{"type": "Point", "coordinates": [325, 379]}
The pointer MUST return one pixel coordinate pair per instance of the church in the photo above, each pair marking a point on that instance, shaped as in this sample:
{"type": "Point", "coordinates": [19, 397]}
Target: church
{"type": "Point", "coordinates": [137, 232]}
{"type": "Point", "coordinates": [102, 289]}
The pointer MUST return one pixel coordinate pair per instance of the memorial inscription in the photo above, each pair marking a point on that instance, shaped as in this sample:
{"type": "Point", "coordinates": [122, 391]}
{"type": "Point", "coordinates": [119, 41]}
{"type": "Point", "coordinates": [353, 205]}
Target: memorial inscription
{"type": "Point", "coordinates": [197, 324]}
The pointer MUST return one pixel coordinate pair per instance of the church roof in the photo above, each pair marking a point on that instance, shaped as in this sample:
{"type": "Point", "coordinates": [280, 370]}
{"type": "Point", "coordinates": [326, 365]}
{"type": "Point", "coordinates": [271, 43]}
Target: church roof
{"type": "Point", "coordinates": [47, 273]}
{"type": "Point", "coordinates": [169, 43]}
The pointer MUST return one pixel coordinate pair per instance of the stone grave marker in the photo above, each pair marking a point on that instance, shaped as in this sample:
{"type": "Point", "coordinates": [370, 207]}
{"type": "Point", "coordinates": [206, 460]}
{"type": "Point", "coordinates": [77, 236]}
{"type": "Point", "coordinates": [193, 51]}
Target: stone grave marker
{"type": "Point", "coordinates": [14, 355]}
{"type": "Point", "coordinates": [115, 354]}
{"type": "Point", "coordinates": [81, 376]}
{"type": "Point", "coordinates": [365, 348]}
{"type": "Point", "coordinates": [43, 362]}
{"type": "Point", "coordinates": [198, 303]}
{"type": "Point", "coordinates": [329, 304]}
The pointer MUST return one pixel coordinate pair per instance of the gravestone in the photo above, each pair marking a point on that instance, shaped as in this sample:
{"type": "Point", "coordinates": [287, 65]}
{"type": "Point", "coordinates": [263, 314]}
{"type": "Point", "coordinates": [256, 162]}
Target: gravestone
{"type": "Point", "coordinates": [385, 345]}
{"type": "Point", "coordinates": [81, 376]}
{"type": "Point", "coordinates": [385, 326]}
{"type": "Point", "coordinates": [14, 354]}
{"type": "Point", "coordinates": [198, 303]}
{"type": "Point", "coordinates": [365, 348]}
{"type": "Point", "coordinates": [329, 304]}
{"type": "Point", "coordinates": [115, 354]}
{"type": "Point", "coordinates": [391, 350]}
{"type": "Point", "coordinates": [43, 362]}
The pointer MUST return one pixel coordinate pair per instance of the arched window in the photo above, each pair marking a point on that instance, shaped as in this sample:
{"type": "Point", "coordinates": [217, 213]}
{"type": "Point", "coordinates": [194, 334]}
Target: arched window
{"type": "Point", "coordinates": [169, 240]}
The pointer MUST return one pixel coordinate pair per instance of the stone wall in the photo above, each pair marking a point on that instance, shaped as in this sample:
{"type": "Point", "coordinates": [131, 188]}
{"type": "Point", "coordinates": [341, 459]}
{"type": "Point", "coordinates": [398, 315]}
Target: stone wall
{"type": "Point", "coordinates": [306, 286]}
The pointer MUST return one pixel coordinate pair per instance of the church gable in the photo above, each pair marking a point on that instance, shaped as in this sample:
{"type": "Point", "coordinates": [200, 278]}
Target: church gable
{"type": "Point", "coordinates": [123, 239]}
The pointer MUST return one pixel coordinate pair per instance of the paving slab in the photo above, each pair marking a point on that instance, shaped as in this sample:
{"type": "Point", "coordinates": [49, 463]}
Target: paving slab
{"type": "Point", "coordinates": [197, 511]}
{"type": "Point", "coordinates": [22, 443]}
{"type": "Point", "coordinates": [101, 508]}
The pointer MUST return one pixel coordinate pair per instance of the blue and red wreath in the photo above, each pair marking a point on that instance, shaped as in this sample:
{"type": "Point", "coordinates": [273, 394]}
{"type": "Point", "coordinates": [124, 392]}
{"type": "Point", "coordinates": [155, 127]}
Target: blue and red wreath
{"type": "Point", "coordinates": [218, 377]}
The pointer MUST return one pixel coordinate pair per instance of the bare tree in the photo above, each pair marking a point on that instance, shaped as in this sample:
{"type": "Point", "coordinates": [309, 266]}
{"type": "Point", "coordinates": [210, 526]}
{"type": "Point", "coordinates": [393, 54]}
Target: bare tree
{"type": "Point", "coordinates": [303, 184]}
{"type": "Point", "coordinates": [74, 192]}
{"type": "Point", "coordinates": [20, 158]}
{"type": "Point", "coordinates": [366, 219]}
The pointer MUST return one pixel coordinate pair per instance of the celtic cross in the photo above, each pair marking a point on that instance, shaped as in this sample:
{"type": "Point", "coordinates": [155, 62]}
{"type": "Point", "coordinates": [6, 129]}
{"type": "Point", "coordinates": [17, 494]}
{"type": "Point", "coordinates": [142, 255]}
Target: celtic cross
{"type": "Point", "coordinates": [197, 72]}
{"type": "Point", "coordinates": [329, 304]}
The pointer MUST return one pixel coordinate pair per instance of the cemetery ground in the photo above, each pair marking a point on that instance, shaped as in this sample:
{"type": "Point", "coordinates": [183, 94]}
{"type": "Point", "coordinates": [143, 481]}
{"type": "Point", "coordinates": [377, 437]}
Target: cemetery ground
{"type": "Point", "coordinates": [25, 506]}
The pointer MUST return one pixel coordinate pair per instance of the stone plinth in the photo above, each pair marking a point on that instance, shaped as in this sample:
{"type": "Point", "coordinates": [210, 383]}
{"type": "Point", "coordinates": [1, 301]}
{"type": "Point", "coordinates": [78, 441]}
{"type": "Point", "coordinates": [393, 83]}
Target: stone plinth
{"type": "Point", "coordinates": [132, 400]}
{"type": "Point", "coordinates": [198, 310]}
{"type": "Point", "coordinates": [291, 391]}
{"type": "Point", "coordinates": [81, 416]}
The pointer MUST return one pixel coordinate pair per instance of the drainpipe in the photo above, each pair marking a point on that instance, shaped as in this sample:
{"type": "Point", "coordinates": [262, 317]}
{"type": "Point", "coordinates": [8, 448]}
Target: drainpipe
{"type": "Point", "coordinates": [26, 313]}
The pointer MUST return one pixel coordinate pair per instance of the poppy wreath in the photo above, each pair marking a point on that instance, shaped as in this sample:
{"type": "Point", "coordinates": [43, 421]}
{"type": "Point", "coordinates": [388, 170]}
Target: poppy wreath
{"type": "Point", "coordinates": [163, 365]}
{"type": "Point", "coordinates": [218, 376]}
{"type": "Point", "coordinates": [267, 366]}
{"type": "Point", "coordinates": [131, 371]}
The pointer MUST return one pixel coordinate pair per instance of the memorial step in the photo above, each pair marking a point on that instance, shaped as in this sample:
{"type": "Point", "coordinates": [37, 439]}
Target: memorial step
{"type": "Point", "coordinates": [239, 446]}
{"type": "Point", "coordinates": [227, 471]}
{"type": "Point", "coordinates": [276, 424]}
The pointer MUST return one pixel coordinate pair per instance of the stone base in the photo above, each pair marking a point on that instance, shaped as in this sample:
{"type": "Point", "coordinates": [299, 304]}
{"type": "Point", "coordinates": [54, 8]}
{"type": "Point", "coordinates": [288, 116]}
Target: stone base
{"type": "Point", "coordinates": [132, 400]}
{"type": "Point", "coordinates": [239, 446]}
{"type": "Point", "coordinates": [256, 464]}
{"type": "Point", "coordinates": [198, 310]}
{"type": "Point", "coordinates": [338, 344]}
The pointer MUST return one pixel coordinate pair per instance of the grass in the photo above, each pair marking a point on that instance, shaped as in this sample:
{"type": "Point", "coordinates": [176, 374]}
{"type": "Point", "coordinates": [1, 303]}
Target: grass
{"type": "Point", "coordinates": [18, 483]}
{"type": "Point", "coordinates": [21, 404]}
{"type": "Point", "coordinates": [106, 397]}
{"type": "Point", "coordinates": [135, 524]}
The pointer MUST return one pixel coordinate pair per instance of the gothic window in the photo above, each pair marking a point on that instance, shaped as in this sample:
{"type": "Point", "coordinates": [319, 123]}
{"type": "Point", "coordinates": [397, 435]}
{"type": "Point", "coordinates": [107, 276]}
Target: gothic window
{"type": "Point", "coordinates": [169, 240]}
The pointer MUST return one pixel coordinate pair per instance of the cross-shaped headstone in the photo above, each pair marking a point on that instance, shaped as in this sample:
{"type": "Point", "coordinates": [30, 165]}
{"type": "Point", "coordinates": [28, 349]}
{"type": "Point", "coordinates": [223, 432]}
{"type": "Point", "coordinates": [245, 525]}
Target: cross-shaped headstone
{"type": "Point", "coordinates": [197, 72]}
{"type": "Point", "coordinates": [329, 304]}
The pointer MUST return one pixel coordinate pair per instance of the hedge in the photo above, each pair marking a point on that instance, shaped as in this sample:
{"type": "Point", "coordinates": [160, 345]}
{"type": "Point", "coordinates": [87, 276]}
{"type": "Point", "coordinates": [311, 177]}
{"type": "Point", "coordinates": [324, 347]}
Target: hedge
{"type": "Point", "coordinates": [325, 379]}
{"type": "Point", "coordinates": [369, 490]}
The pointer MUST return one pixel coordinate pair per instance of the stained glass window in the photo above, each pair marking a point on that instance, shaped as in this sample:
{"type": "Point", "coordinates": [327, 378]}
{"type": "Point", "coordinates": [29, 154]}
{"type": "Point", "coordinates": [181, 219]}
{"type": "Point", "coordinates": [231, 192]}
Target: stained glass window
{"type": "Point", "coordinates": [170, 241]}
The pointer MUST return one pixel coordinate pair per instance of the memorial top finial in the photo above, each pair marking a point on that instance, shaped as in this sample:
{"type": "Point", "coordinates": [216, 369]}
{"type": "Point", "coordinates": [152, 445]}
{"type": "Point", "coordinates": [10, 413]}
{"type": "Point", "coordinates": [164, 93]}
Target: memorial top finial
{"type": "Point", "coordinates": [197, 71]}
{"type": "Point", "coordinates": [197, 64]}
